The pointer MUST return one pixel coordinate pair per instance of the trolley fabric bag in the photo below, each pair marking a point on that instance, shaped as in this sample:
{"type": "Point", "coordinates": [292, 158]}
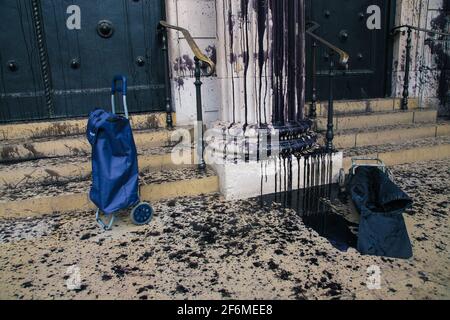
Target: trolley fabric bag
{"type": "Point", "coordinates": [381, 203]}
{"type": "Point", "coordinates": [115, 172]}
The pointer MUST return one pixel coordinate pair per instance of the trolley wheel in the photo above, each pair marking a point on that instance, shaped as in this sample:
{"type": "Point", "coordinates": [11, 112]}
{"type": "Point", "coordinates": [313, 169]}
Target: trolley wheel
{"type": "Point", "coordinates": [141, 214]}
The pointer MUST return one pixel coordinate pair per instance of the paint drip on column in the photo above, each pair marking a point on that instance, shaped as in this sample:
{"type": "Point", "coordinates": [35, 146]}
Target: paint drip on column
{"type": "Point", "coordinates": [264, 57]}
{"type": "Point", "coordinates": [263, 51]}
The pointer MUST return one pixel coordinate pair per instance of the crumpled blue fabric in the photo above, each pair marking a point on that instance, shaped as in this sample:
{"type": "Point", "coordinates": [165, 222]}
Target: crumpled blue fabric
{"type": "Point", "coordinates": [381, 203]}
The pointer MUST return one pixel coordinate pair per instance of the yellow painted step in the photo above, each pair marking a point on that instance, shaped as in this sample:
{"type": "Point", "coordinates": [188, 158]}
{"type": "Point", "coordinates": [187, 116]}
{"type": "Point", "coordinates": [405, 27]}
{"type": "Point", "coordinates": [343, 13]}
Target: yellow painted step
{"type": "Point", "coordinates": [379, 136]}
{"type": "Point", "coordinates": [38, 206]}
{"type": "Point", "coordinates": [364, 106]}
{"type": "Point", "coordinates": [45, 129]}
{"type": "Point", "coordinates": [361, 121]}
{"type": "Point", "coordinates": [71, 168]}
{"type": "Point", "coordinates": [413, 153]}
{"type": "Point", "coordinates": [15, 150]}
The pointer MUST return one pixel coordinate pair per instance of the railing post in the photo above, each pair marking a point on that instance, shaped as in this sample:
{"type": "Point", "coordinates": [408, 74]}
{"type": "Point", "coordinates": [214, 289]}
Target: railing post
{"type": "Point", "coordinates": [330, 119]}
{"type": "Point", "coordinates": [313, 107]}
{"type": "Point", "coordinates": [169, 120]}
{"type": "Point", "coordinates": [407, 69]}
{"type": "Point", "coordinates": [200, 142]}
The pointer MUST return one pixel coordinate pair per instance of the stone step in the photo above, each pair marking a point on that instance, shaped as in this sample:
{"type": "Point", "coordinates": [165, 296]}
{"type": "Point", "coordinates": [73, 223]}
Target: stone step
{"type": "Point", "coordinates": [345, 107]}
{"type": "Point", "coordinates": [373, 120]}
{"type": "Point", "coordinates": [31, 198]}
{"type": "Point", "coordinates": [411, 151]}
{"type": "Point", "coordinates": [79, 167]}
{"type": "Point", "coordinates": [70, 127]}
{"type": "Point", "coordinates": [35, 199]}
{"type": "Point", "coordinates": [388, 134]}
{"type": "Point", "coordinates": [40, 148]}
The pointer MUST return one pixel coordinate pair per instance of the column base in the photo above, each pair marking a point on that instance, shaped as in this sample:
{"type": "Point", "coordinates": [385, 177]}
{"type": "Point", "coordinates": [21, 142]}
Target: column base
{"type": "Point", "coordinates": [249, 172]}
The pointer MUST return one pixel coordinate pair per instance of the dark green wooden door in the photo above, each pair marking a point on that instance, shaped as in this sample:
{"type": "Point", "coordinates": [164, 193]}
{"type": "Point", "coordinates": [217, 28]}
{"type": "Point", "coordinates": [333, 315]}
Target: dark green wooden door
{"type": "Point", "coordinates": [21, 82]}
{"type": "Point", "coordinates": [67, 54]}
{"type": "Point", "coordinates": [361, 28]}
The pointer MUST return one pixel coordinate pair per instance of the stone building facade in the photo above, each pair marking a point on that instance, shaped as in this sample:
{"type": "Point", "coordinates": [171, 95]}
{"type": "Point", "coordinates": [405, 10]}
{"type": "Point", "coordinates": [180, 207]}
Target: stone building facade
{"type": "Point", "coordinates": [429, 75]}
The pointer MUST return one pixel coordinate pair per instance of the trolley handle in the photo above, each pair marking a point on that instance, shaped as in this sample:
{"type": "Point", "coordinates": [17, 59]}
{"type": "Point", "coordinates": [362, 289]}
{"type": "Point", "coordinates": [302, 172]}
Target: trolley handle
{"type": "Point", "coordinates": [122, 89]}
{"type": "Point", "coordinates": [376, 162]}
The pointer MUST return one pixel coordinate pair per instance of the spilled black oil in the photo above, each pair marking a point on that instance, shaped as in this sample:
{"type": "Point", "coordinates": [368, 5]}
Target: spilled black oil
{"type": "Point", "coordinates": [317, 214]}
{"type": "Point", "coordinates": [269, 39]}
{"type": "Point", "coordinates": [312, 196]}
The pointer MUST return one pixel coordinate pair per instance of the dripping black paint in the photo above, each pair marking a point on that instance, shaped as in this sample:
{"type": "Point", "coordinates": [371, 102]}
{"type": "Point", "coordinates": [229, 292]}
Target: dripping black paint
{"type": "Point", "coordinates": [311, 203]}
{"type": "Point", "coordinates": [281, 65]}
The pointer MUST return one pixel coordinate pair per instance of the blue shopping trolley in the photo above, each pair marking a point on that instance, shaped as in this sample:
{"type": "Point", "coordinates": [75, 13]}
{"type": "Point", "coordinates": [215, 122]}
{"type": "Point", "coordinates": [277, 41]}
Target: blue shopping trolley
{"type": "Point", "coordinates": [115, 173]}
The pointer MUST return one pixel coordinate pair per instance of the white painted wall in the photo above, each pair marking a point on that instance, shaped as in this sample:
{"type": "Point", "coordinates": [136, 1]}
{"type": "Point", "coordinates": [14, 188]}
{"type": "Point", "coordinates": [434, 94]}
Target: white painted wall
{"type": "Point", "coordinates": [199, 17]}
{"type": "Point", "coordinates": [242, 180]}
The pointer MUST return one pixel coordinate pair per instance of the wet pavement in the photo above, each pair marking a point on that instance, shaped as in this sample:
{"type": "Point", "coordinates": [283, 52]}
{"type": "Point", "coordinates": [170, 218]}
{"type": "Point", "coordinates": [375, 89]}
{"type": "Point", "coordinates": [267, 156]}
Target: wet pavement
{"type": "Point", "coordinates": [208, 248]}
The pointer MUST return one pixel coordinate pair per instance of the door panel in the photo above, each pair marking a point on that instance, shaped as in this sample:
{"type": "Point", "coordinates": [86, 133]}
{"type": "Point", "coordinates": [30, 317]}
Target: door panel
{"type": "Point", "coordinates": [21, 83]}
{"type": "Point", "coordinates": [344, 23]}
{"type": "Point", "coordinates": [84, 60]}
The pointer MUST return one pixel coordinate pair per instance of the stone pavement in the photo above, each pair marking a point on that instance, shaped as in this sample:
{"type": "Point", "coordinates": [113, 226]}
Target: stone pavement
{"type": "Point", "coordinates": [207, 248]}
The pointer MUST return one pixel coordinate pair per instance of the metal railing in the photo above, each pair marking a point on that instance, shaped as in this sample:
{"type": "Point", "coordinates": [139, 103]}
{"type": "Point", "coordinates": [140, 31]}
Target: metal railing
{"type": "Point", "coordinates": [204, 62]}
{"type": "Point", "coordinates": [201, 62]}
{"type": "Point", "coordinates": [408, 29]}
{"type": "Point", "coordinates": [343, 62]}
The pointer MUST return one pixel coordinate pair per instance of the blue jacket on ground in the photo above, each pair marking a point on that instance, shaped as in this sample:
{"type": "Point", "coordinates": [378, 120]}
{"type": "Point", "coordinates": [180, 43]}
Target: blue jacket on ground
{"type": "Point", "coordinates": [115, 172]}
{"type": "Point", "coordinates": [381, 203]}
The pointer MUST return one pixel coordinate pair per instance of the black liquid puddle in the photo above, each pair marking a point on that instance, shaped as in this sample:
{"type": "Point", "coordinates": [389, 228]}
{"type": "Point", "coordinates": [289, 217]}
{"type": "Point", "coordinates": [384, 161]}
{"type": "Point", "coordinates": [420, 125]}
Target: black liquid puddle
{"type": "Point", "coordinates": [312, 206]}
{"type": "Point", "coordinates": [278, 24]}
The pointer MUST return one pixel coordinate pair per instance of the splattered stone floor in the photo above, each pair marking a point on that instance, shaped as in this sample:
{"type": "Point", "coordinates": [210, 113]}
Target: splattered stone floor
{"type": "Point", "coordinates": [207, 248]}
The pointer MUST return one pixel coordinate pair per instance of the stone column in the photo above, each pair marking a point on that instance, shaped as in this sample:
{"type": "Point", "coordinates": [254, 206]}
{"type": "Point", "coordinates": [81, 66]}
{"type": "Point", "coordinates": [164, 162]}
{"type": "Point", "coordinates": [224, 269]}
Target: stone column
{"type": "Point", "coordinates": [261, 64]}
{"type": "Point", "coordinates": [263, 144]}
